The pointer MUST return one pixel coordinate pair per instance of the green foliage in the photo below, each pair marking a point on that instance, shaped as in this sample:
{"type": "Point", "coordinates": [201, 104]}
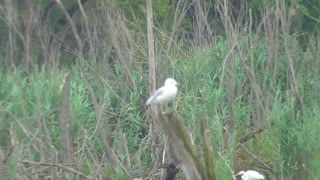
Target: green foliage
{"type": "Point", "coordinates": [12, 164]}
{"type": "Point", "coordinates": [309, 11]}
{"type": "Point", "coordinates": [289, 142]}
{"type": "Point", "coordinates": [24, 99]}
{"type": "Point", "coordinates": [219, 82]}
{"type": "Point", "coordinates": [119, 174]}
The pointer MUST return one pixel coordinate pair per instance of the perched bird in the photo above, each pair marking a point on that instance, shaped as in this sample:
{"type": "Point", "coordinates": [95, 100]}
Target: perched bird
{"type": "Point", "coordinates": [164, 94]}
{"type": "Point", "coordinates": [250, 175]}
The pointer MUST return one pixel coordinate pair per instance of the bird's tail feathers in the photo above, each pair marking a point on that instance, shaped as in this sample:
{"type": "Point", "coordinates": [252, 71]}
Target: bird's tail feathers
{"type": "Point", "coordinates": [149, 101]}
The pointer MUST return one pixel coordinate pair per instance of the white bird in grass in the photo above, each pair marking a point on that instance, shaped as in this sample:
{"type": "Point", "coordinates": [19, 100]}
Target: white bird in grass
{"type": "Point", "coordinates": [164, 94]}
{"type": "Point", "coordinates": [250, 175]}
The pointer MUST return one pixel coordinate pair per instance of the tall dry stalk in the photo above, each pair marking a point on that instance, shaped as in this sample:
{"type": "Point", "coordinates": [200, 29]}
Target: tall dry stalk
{"type": "Point", "coordinates": [27, 32]}
{"type": "Point", "coordinates": [11, 38]}
{"type": "Point", "coordinates": [65, 124]}
{"type": "Point", "coordinates": [97, 109]}
{"type": "Point", "coordinates": [154, 130]}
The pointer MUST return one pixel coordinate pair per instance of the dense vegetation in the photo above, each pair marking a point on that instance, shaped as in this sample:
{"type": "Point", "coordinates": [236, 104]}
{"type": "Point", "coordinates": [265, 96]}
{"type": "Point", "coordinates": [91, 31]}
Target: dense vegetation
{"type": "Point", "coordinates": [72, 93]}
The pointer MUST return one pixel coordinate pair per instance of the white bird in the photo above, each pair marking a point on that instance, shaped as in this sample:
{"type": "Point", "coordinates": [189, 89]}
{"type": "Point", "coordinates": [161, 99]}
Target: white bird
{"type": "Point", "coordinates": [164, 94]}
{"type": "Point", "coordinates": [250, 175]}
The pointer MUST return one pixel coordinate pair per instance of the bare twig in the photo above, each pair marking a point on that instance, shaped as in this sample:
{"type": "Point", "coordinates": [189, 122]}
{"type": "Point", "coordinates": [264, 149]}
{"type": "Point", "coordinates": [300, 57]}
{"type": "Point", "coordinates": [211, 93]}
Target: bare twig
{"type": "Point", "coordinates": [120, 40]}
{"type": "Point", "coordinates": [64, 168]}
{"type": "Point", "coordinates": [225, 60]}
{"type": "Point", "coordinates": [4, 160]}
{"type": "Point", "coordinates": [98, 111]}
{"type": "Point", "coordinates": [251, 135]}
{"type": "Point", "coordinates": [261, 162]}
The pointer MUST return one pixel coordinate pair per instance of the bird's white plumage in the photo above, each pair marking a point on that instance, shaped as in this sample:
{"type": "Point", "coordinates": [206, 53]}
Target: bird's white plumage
{"type": "Point", "coordinates": [164, 94]}
{"type": "Point", "coordinates": [250, 175]}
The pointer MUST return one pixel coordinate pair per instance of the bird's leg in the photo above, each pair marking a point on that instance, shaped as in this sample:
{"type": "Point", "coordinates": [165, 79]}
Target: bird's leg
{"type": "Point", "coordinates": [161, 107]}
{"type": "Point", "coordinates": [176, 103]}
{"type": "Point", "coordinates": [164, 108]}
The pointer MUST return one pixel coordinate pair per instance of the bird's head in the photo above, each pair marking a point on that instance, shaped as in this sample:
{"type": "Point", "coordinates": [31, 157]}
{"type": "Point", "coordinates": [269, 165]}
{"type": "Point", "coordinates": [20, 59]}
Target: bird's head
{"type": "Point", "coordinates": [170, 81]}
{"type": "Point", "coordinates": [240, 173]}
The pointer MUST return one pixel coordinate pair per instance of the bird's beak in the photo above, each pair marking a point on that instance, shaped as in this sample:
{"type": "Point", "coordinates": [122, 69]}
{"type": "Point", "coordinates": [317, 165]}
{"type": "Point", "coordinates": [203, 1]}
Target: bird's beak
{"type": "Point", "coordinates": [238, 174]}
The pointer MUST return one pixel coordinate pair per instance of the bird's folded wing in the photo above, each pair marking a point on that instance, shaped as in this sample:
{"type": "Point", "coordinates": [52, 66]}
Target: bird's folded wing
{"type": "Point", "coordinates": [158, 93]}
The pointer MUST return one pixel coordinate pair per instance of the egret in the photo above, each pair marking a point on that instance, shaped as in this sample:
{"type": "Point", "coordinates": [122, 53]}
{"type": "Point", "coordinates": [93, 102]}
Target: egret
{"type": "Point", "coordinates": [164, 94]}
{"type": "Point", "coordinates": [250, 175]}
